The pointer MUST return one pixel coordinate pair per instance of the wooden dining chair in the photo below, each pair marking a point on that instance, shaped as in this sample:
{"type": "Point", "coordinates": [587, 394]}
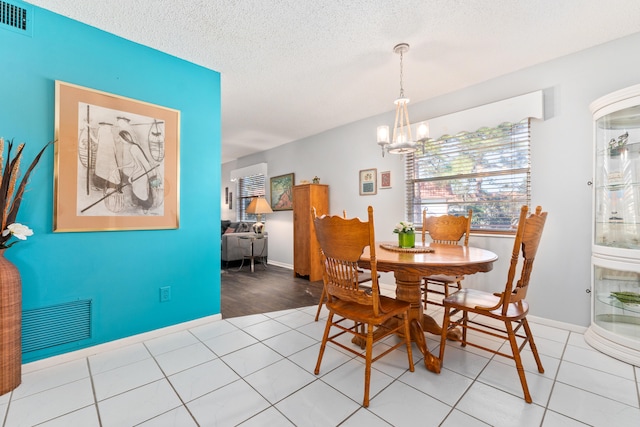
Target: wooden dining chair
{"type": "Point", "coordinates": [448, 230]}
{"type": "Point", "coordinates": [342, 242]}
{"type": "Point", "coordinates": [508, 307]}
{"type": "Point", "coordinates": [363, 278]}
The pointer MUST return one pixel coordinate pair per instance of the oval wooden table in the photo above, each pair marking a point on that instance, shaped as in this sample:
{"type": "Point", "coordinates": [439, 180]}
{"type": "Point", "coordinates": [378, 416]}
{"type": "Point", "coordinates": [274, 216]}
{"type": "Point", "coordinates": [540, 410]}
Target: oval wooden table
{"type": "Point", "coordinates": [410, 267]}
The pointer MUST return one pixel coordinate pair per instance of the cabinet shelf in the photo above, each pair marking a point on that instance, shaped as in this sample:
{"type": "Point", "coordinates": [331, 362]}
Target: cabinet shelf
{"type": "Point", "coordinates": [626, 308]}
{"type": "Point", "coordinates": [631, 150]}
{"type": "Point", "coordinates": [616, 187]}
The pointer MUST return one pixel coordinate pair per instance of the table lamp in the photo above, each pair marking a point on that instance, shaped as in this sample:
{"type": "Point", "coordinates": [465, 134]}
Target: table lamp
{"type": "Point", "coordinates": [259, 206]}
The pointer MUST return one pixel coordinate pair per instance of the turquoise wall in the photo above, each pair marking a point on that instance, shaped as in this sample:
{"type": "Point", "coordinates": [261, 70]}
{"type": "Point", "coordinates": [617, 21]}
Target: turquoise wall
{"type": "Point", "coordinates": [120, 271]}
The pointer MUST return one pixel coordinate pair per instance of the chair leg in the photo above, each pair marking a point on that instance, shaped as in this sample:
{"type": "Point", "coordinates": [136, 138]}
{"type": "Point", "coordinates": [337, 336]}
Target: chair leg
{"type": "Point", "coordinates": [424, 291]}
{"type": "Point", "coordinates": [532, 344]}
{"type": "Point", "coordinates": [324, 343]}
{"type": "Point", "coordinates": [518, 360]}
{"type": "Point", "coordinates": [367, 370]}
{"type": "Point", "coordinates": [443, 336]}
{"type": "Point", "coordinates": [465, 320]}
{"type": "Point", "coordinates": [320, 303]}
{"type": "Point", "coordinates": [407, 340]}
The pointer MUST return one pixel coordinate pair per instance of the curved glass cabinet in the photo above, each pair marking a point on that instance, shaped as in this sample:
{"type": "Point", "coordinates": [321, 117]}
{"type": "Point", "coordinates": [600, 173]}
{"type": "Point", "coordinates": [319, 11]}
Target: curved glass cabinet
{"type": "Point", "coordinates": [615, 310]}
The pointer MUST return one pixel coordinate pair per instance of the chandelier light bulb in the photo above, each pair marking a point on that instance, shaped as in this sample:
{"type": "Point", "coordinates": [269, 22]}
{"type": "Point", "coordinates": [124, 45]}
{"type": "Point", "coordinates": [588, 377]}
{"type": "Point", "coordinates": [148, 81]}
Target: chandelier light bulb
{"type": "Point", "coordinates": [383, 134]}
{"type": "Point", "coordinates": [423, 131]}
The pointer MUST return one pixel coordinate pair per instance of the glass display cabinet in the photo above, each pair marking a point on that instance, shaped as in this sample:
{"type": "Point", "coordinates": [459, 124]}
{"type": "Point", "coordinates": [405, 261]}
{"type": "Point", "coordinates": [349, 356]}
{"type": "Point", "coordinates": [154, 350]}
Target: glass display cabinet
{"type": "Point", "coordinates": [615, 261]}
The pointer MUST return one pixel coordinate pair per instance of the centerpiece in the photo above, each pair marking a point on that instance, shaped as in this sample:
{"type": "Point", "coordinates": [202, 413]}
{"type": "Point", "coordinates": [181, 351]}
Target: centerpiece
{"type": "Point", "coordinates": [406, 234]}
{"type": "Point", "coordinates": [11, 192]}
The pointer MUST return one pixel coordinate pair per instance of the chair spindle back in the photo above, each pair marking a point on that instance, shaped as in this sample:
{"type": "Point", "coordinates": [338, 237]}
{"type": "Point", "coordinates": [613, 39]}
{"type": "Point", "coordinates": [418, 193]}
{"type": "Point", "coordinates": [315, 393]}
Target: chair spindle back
{"type": "Point", "coordinates": [527, 241]}
{"type": "Point", "coordinates": [342, 242]}
{"type": "Point", "coordinates": [446, 229]}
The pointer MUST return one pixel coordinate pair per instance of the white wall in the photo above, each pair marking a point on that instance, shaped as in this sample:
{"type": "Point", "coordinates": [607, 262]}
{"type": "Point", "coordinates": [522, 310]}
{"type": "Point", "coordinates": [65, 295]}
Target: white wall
{"type": "Point", "coordinates": [561, 152]}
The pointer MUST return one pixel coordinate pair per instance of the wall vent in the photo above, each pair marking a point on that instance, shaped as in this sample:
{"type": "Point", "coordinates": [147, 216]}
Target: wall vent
{"type": "Point", "coordinates": [15, 18]}
{"type": "Point", "coordinates": [55, 325]}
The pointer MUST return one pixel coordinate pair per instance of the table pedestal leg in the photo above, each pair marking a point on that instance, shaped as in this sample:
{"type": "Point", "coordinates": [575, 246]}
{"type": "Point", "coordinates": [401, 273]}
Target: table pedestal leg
{"type": "Point", "coordinates": [430, 325]}
{"type": "Point", "coordinates": [431, 362]}
{"type": "Point", "coordinates": [408, 289]}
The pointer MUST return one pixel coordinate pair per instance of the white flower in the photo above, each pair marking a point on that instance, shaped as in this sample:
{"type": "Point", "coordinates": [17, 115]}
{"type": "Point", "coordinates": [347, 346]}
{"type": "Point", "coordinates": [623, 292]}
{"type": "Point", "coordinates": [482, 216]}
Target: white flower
{"type": "Point", "coordinates": [404, 227]}
{"type": "Point", "coordinates": [18, 230]}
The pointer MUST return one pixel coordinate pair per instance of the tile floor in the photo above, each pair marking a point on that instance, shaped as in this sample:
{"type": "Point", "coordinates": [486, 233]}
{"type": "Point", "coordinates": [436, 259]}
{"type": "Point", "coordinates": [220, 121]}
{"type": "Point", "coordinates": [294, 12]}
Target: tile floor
{"type": "Point", "coordinates": [258, 371]}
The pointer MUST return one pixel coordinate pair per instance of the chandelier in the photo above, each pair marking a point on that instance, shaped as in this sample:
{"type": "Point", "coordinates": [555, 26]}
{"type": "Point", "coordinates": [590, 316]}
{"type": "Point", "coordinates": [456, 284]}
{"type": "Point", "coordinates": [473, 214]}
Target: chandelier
{"type": "Point", "coordinates": [402, 141]}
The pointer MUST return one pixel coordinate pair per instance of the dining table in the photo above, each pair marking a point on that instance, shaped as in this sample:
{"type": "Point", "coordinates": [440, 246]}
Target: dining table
{"type": "Point", "coordinates": [411, 265]}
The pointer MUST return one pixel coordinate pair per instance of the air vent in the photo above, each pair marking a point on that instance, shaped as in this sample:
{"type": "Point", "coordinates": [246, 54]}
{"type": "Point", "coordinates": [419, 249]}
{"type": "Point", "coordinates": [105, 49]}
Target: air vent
{"type": "Point", "coordinates": [55, 325]}
{"type": "Point", "coordinates": [15, 18]}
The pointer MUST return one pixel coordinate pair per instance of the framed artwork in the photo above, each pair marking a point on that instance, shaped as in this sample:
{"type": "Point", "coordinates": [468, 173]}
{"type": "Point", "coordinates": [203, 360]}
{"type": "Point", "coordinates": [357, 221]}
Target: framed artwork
{"type": "Point", "coordinates": [368, 182]}
{"type": "Point", "coordinates": [282, 192]}
{"type": "Point", "coordinates": [385, 179]}
{"type": "Point", "coordinates": [116, 162]}
{"type": "Point", "coordinates": [230, 201]}
{"type": "Point", "coordinates": [226, 195]}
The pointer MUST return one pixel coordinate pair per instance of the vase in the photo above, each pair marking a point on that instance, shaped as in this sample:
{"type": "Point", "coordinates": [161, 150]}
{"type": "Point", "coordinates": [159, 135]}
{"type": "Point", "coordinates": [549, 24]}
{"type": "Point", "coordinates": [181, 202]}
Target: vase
{"type": "Point", "coordinates": [10, 325]}
{"type": "Point", "coordinates": [407, 240]}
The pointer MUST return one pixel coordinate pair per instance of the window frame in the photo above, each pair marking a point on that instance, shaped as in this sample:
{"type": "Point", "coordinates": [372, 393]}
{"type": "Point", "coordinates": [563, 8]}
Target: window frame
{"type": "Point", "coordinates": [507, 145]}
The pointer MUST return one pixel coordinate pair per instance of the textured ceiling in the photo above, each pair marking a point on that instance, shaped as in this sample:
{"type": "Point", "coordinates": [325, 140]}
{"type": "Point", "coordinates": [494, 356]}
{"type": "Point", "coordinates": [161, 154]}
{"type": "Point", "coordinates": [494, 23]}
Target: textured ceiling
{"type": "Point", "coordinates": [294, 68]}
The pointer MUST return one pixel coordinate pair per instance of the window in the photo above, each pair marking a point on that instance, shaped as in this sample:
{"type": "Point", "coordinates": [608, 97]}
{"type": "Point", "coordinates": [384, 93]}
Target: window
{"type": "Point", "coordinates": [248, 188]}
{"type": "Point", "coordinates": [487, 171]}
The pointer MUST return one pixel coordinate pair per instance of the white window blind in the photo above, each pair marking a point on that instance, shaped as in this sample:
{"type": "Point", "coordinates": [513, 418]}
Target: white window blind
{"type": "Point", "coordinates": [248, 188]}
{"type": "Point", "coordinates": [488, 171]}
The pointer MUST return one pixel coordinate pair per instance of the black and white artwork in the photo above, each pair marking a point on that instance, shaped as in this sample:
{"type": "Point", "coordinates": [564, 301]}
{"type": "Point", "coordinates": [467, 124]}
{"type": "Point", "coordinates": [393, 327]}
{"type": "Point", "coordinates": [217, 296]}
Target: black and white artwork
{"type": "Point", "coordinates": [120, 163]}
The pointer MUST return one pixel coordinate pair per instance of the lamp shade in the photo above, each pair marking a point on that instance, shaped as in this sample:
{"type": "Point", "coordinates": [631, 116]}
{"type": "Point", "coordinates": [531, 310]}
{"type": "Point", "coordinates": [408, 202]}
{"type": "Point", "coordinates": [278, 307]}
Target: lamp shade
{"type": "Point", "coordinates": [259, 206]}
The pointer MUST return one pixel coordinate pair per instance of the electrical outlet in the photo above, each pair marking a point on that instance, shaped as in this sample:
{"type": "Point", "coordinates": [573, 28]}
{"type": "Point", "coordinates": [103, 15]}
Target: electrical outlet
{"type": "Point", "coordinates": [165, 293]}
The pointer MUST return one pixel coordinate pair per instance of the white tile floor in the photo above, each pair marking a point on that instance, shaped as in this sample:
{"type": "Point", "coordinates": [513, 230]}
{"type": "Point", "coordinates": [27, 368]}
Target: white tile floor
{"type": "Point", "coordinates": [258, 371]}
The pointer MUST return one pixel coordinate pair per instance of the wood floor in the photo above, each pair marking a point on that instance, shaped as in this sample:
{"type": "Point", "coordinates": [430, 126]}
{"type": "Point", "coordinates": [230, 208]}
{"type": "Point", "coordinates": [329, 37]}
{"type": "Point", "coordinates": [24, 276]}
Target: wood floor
{"type": "Point", "coordinates": [264, 290]}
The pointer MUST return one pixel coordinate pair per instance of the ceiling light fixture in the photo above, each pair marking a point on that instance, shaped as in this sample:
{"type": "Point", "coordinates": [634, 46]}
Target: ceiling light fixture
{"type": "Point", "coordinates": [402, 141]}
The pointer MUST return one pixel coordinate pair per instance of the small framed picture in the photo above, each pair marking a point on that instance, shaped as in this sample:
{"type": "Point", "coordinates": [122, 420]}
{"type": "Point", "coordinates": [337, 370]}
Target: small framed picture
{"type": "Point", "coordinates": [230, 201]}
{"type": "Point", "coordinates": [282, 192]}
{"type": "Point", "coordinates": [385, 179]}
{"type": "Point", "coordinates": [368, 182]}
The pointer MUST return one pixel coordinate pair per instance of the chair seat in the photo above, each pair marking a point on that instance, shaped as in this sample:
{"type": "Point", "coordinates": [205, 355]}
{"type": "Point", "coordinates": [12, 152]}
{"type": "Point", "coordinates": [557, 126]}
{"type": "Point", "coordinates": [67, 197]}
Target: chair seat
{"type": "Point", "coordinates": [443, 278]}
{"type": "Point", "coordinates": [364, 277]}
{"type": "Point", "coordinates": [469, 299]}
{"type": "Point", "coordinates": [389, 307]}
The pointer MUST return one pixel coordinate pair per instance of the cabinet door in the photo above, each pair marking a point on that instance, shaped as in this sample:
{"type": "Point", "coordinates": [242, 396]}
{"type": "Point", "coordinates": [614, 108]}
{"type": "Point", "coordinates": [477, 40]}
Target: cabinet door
{"type": "Point", "coordinates": [301, 230]}
{"type": "Point", "coordinates": [615, 325]}
{"type": "Point", "coordinates": [617, 181]}
{"type": "Point", "coordinates": [319, 200]}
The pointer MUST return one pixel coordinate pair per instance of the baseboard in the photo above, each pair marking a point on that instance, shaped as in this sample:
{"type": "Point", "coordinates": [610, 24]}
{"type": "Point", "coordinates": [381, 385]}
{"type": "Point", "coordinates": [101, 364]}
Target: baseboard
{"type": "Point", "coordinates": [556, 324]}
{"type": "Point", "coordinates": [112, 345]}
{"type": "Point", "coordinates": [280, 264]}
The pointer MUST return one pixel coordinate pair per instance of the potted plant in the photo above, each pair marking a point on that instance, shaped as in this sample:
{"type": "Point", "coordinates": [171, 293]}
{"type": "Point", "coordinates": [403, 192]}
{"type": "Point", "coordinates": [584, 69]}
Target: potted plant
{"type": "Point", "coordinates": [406, 234]}
{"type": "Point", "coordinates": [11, 193]}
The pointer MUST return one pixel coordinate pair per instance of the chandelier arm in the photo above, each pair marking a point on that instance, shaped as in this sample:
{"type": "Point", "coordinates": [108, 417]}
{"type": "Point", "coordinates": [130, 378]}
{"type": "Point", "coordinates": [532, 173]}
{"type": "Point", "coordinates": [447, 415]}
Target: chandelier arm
{"type": "Point", "coordinates": [408, 124]}
{"type": "Point", "coordinates": [395, 125]}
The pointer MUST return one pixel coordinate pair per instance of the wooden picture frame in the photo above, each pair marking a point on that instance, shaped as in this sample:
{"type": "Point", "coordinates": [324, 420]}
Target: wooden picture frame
{"type": "Point", "coordinates": [281, 193]}
{"type": "Point", "coordinates": [116, 162]}
{"type": "Point", "coordinates": [368, 182]}
{"type": "Point", "coordinates": [385, 180]}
